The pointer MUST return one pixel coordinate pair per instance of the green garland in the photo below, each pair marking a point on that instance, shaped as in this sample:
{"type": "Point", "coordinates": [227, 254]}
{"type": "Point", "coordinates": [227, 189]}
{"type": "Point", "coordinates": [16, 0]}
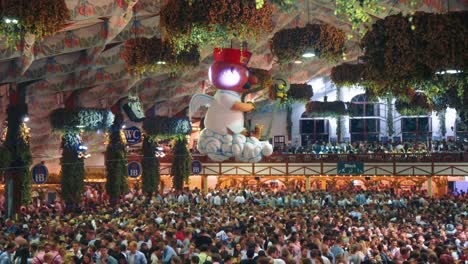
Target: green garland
{"type": "Point", "coordinates": [358, 12]}
{"type": "Point", "coordinates": [167, 127]}
{"type": "Point", "coordinates": [150, 164]}
{"type": "Point", "coordinates": [300, 92]}
{"type": "Point", "coordinates": [116, 161]}
{"type": "Point", "coordinates": [17, 143]}
{"type": "Point", "coordinates": [202, 22]}
{"type": "Point", "coordinates": [418, 104]}
{"type": "Point", "coordinates": [443, 129]}
{"type": "Point", "coordinates": [72, 170]}
{"type": "Point", "coordinates": [5, 157]}
{"type": "Point", "coordinates": [326, 109]}
{"type": "Point", "coordinates": [347, 74]}
{"type": "Point", "coordinates": [38, 17]}
{"type": "Point", "coordinates": [146, 55]}
{"type": "Point", "coordinates": [87, 119]}
{"type": "Point", "coordinates": [408, 51]}
{"type": "Point", "coordinates": [181, 164]}
{"type": "Point", "coordinates": [326, 41]}
{"type": "Point", "coordinates": [390, 128]}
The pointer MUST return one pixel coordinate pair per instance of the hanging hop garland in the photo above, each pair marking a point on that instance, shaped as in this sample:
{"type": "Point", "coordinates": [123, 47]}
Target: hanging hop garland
{"type": "Point", "coordinates": [326, 109]}
{"type": "Point", "coordinates": [328, 42]}
{"type": "Point", "coordinates": [202, 22]}
{"type": "Point", "coordinates": [38, 17]}
{"type": "Point", "coordinates": [86, 119]}
{"type": "Point", "coordinates": [167, 127]}
{"type": "Point", "coordinates": [152, 55]}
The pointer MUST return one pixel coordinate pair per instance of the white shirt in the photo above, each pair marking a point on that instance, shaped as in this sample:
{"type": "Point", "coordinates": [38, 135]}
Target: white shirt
{"type": "Point", "coordinates": [220, 117]}
{"type": "Point", "coordinates": [239, 199]}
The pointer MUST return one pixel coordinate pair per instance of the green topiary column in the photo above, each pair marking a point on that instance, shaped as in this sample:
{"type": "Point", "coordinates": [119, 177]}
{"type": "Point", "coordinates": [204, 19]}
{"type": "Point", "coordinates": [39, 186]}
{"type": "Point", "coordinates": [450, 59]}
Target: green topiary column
{"type": "Point", "coordinates": [17, 142]}
{"type": "Point", "coordinates": [181, 163]}
{"type": "Point", "coordinates": [72, 170]}
{"type": "Point", "coordinates": [150, 164]}
{"type": "Point", "coordinates": [116, 160]}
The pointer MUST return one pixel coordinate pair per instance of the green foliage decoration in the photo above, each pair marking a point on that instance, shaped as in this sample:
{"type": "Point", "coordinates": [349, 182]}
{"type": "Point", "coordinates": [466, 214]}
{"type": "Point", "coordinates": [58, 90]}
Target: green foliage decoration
{"type": "Point", "coordinates": [152, 55]}
{"type": "Point", "coordinates": [87, 119]}
{"type": "Point", "coordinates": [5, 157]}
{"type": "Point", "coordinates": [116, 161]}
{"type": "Point", "coordinates": [150, 164]}
{"type": "Point", "coordinates": [202, 22]}
{"type": "Point", "coordinates": [418, 104]}
{"type": "Point", "coordinates": [72, 169]}
{"type": "Point", "coordinates": [39, 18]}
{"type": "Point", "coordinates": [17, 142]}
{"type": "Point", "coordinates": [347, 74]}
{"type": "Point", "coordinates": [328, 42]}
{"type": "Point", "coordinates": [300, 92]}
{"type": "Point", "coordinates": [443, 128]}
{"type": "Point", "coordinates": [167, 127]}
{"type": "Point", "coordinates": [181, 165]}
{"type": "Point", "coordinates": [402, 52]}
{"type": "Point", "coordinates": [390, 127]}
{"type": "Point", "coordinates": [358, 12]}
{"type": "Point", "coordinates": [326, 109]}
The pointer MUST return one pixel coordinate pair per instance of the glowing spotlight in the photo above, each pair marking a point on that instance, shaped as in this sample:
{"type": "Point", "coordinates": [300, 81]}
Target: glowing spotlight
{"type": "Point", "coordinates": [26, 119]}
{"type": "Point", "coordinates": [308, 54]}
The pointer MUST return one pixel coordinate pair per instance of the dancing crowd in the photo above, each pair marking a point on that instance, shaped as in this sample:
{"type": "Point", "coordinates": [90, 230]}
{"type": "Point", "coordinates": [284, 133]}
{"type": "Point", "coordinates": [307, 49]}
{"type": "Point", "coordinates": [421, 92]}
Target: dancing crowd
{"type": "Point", "coordinates": [242, 227]}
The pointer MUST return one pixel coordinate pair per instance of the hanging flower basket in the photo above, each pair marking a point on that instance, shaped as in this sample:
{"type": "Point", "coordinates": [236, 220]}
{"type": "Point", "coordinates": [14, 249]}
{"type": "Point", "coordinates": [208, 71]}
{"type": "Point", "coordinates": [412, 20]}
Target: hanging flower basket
{"type": "Point", "coordinates": [87, 119]}
{"type": "Point", "coordinates": [326, 41]}
{"type": "Point", "coordinates": [418, 104]}
{"type": "Point", "coordinates": [300, 92]}
{"type": "Point", "coordinates": [201, 22]}
{"type": "Point", "coordinates": [166, 127]}
{"type": "Point", "coordinates": [38, 17]}
{"type": "Point", "coordinates": [347, 74]}
{"type": "Point", "coordinates": [325, 109]}
{"type": "Point", "coordinates": [151, 55]}
{"type": "Point", "coordinates": [412, 51]}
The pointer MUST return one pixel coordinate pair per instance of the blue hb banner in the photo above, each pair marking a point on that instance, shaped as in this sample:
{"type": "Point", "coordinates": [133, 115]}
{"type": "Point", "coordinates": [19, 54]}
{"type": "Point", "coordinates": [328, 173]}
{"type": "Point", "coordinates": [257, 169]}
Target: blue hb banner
{"type": "Point", "coordinates": [196, 167]}
{"type": "Point", "coordinates": [39, 174]}
{"type": "Point", "coordinates": [134, 169]}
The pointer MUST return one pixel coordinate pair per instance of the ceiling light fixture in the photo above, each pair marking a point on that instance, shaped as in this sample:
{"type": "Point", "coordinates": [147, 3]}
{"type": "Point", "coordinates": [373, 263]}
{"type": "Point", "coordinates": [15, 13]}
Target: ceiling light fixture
{"type": "Point", "coordinates": [26, 119]}
{"type": "Point", "coordinates": [308, 54]}
{"type": "Point", "coordinates": [160, 62]}
{"type": "Point", "coordinates": [80, 126]}
{"type": "Point", "coordinates": [449, 72]}
{"type": "Point", "coordinates": [297, 61]}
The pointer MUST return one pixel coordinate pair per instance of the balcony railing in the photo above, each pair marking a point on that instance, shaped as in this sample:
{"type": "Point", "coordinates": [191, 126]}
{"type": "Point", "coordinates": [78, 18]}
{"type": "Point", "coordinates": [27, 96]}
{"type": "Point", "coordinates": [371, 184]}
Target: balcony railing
{"type": "Point", "coordinates": [374, 157]}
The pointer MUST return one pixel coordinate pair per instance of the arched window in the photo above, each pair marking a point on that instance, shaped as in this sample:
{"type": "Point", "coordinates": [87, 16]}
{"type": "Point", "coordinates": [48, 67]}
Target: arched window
{"type": "Point", "coordinates": [364, 119]}
{"type": "Point", "coordinates": [313, 130]}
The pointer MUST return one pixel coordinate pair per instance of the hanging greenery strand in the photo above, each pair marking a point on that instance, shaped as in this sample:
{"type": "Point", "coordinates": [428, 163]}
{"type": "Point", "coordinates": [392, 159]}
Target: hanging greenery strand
{"type": "Point", "coordinates": [181, 165]}
{"type": "Point", "coordinates": [38, 17]}
{"type": "Point", "coordinates": [17, 143]}
{"type": "Point", "coordinates": [443, 128]}
{"type": "Point", "coordinates": [324, 40]}
{"type": "Point", "coordinates": [150, 164]}
{"type": "Point", "coordinates": [202, 22]}
{"type": "Point", "coordinates": [390, 116]}
{"type": "Point", "coordinates": [72, 170]}
{"type": "Point", "coordinates": [116, 160]}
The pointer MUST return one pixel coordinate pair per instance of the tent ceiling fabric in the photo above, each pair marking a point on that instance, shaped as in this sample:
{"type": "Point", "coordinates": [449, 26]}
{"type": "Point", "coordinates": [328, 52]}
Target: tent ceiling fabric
{"type": "Point", "coordinates": [86, 56]}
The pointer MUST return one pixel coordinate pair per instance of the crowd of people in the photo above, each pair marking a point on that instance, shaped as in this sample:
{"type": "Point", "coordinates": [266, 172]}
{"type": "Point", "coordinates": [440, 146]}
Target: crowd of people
{"type": "Point", "coordinates": [242, 227]}
{"type": "Point", "coordinates": [364, 147]}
